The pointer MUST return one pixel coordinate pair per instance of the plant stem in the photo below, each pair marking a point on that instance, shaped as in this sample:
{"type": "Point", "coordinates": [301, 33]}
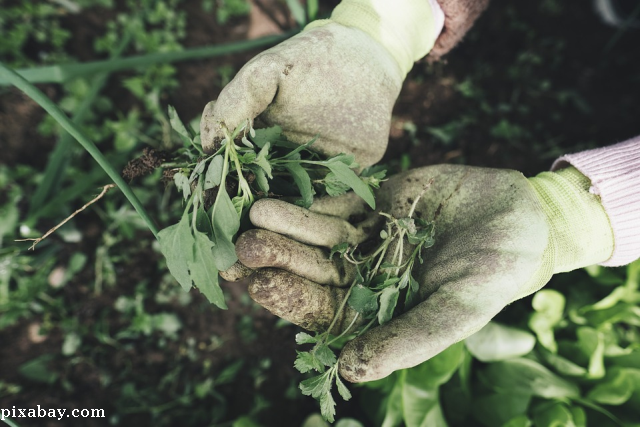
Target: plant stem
{"type": "Point", "coordinates": [64, 121]}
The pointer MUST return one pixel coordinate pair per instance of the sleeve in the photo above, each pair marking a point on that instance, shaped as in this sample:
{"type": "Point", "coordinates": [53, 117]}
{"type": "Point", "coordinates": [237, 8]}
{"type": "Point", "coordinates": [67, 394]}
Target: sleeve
{"type": "Point", "coordinates": [614, 172]}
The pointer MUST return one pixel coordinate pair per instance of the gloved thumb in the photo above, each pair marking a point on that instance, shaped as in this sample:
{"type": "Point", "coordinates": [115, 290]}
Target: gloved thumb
{"type": "Point", "coordinates": [245, 97]}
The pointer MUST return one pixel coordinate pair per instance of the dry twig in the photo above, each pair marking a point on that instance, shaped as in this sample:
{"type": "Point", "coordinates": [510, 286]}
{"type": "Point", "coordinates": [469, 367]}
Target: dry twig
{"type": "Point", "coordinates": [52, 230]}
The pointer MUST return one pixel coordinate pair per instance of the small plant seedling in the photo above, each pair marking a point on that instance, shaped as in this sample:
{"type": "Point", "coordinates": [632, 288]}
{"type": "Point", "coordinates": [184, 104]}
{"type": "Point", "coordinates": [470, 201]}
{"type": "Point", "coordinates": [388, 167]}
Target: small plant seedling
{"type": "Point", "coordinates": [382, 275]}
{"type": "Point", "coordinates": [220, 188]}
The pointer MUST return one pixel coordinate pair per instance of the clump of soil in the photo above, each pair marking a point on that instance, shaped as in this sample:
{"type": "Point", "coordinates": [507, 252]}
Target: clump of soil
{"type": "Point", "coordinates": [145, 164]}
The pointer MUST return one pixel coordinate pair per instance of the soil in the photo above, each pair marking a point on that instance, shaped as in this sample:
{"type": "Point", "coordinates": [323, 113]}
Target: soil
{"type": "Point", "coordinates": [604, 78]}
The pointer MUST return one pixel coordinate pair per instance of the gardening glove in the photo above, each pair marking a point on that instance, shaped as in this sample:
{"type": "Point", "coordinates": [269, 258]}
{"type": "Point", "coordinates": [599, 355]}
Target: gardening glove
{"type": "Point", "coordinates": [337, 80]}
{"type": "Point", "coordinates": [498, 238]}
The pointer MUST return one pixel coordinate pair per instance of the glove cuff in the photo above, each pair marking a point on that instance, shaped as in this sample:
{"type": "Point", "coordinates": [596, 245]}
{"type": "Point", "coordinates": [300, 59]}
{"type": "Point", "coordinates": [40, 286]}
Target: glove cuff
{"type": "Point", "coordinates": [407, 29]}
{"type": "Point", "coordinates": [580, 230]}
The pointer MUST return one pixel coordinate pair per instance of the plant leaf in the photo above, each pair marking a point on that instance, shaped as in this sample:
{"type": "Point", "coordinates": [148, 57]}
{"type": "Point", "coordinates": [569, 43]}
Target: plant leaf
{"type": "Point", "coordinates": [325, 355]}
{"type": "Point", "coordinates": [328, 407]}
{"type": "Point", "coordinates": [349, 177]}
{"type": "Point", "coordinates": [498, 342]}
{"type": "Point", "coordinates": [302, 181]}
{"type": "Point", "coordinates": [305, 338]}
{"type": "Point", "coordinates": [226, 224]}
{"type": "Point", "coordinates": [177, 244]}
{"type": "Point", "coordinates": [363, 300]}
{"type": "Point", "coordinates": [262, 161]}
{"type": "Point", "coordinates": [263, 136]}
{"type": "Point", "coordinates": [388, 301]}
{"type": "Point", "coordinates": [213, 177]}
{"type": "Point", "coordinates": [203, 271]}
{"type": "Point", "coordinates": [178, 126]}
{"type": "Point", "coordinates": [307, 361]}
{"type": "Point", "coordinates": [342, 389]}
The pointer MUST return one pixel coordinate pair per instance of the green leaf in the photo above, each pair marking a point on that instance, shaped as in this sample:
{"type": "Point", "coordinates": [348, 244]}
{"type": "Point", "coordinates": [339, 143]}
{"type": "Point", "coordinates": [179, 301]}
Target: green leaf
{"type": "Point", "coordinates": [519, 421]}
{"type": "Point", "coordinates": [197, 170]}
{"type": "Point", "coordinates": [562, 365]}
{"type": "Point", "coordinates": [328, 407]}
{"type": "Point", "coordinates": [297, 11]}
{"type": "Point", "coordinates": [261, 179]}
{"type": "Point", "coordinates": [342, 389]}
{"type": "Point", "coordinates": [615, 390]}
{"type": "Point", "coordinates": [334, 186]}
{"type": "Point", "coordinates": [592, 344]}
{"type": "Point", "coordinates": [340, 248]}
{"type": "Point", "coordinates": [392, 410]}
{"type": "Point", "coordinates": [498, 342]}
{"type": "Point", "coordinates": [302, 181]}
{"type": "Point", "coordinates": [182, 182]}
{"type": "Point", "coordinates": [549, 307]}
{"type": "Point", "coordinates": [325, 355]}
{"type": "Point", "coordinates": [497, 409]}
{"type": "Point", "coordinates": [421, 406]}
{"type": "Point", "coordinates": [203, 271]}
{"type": "Point", "coordinates": [363, 300]}
{"type": "Point", "coordinates": [263, 136]}
{"type": "Point", "coordinates": [38, 370]}
{"type": "Point", "coordinates": [439, 369]}
{"type": "Point", "coordinates": [349, 177]}
{"type": "Point", "coordinates": [226, 224]}
{"type": "Point", "coordinates": [304, 338]}
{"type": "Point", "coordinates": [316, 386]}
{"type": "Point", "coordinates": [213, 177]}
{"type": "Point", "coordinates": [177, 244]}
{"type": "Point", "coordinates": [178, 126]}
{"type": "Point", "coordinates": [307, 361]}
{"type": "Point", "coordinates": [524, 376]}
{"type": "Point", "coordinates": [262, 161]}
{"type": "Point", "coordinates": [388, 301]}
{"type": "Point", "coordinates": [553, 414]}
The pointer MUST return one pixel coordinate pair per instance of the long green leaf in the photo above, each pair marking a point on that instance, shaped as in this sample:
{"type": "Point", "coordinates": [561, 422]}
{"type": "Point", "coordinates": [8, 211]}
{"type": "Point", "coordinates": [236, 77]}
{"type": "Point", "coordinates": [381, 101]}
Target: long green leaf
{"type": "Point", "coordinates": [62, 73]}
{"type": "Point", "coordinates": [51, 108]}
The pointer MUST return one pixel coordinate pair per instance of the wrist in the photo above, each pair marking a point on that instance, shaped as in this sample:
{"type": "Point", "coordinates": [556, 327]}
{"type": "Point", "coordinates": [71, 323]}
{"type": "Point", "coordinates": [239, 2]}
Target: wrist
{"type": "Point", "coordinates": [580, 230]}
{"type": "Point", "coordinates": [407, 29]}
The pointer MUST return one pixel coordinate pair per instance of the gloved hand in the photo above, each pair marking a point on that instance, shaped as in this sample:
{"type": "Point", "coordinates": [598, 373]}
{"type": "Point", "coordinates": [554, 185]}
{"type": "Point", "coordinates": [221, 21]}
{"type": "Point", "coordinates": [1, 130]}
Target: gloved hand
{"type": "Point", "coordinates": [338, 79]}
{"type": "Point", "coordinates": [498, 238]}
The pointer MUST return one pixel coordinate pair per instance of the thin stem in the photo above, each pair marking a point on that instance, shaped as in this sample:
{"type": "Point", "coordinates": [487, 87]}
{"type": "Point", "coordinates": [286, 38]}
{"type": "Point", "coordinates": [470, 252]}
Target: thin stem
{"type": "Point", "coordinates": [51, 108]}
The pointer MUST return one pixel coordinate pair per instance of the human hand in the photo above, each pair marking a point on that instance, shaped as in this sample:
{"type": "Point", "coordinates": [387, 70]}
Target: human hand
{"type": "Point", "coordinates": [459, 17]}
{"type": "Point", "coordinates": [337, 80]}
{"type": "Point", "coordinates": [498, 238]}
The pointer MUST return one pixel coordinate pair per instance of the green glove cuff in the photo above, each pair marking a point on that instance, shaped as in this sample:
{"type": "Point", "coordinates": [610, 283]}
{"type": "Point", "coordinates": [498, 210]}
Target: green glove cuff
{"type": "Point", "coordinates": [580, 230]}
{"type": "Point", "coordinates": [406, 28]}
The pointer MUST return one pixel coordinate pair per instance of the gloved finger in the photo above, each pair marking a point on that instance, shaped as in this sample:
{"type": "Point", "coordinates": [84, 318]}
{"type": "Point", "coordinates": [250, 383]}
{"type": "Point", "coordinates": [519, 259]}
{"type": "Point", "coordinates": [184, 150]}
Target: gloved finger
{"type": "Point", "coordinates": [236, 272]}
{"type": "Point", "coordinates": [245, 97]}
{"type": "Point", "coordinates": [346, 206]}
{"type": "Point", "coordinates": [448, 316]}
{"type": "Point", "coordinates": [301, 301]}
{"type": "Point", "coordinates": [262, 248]}
{"type": "Point", "coordinates": [307, 226]}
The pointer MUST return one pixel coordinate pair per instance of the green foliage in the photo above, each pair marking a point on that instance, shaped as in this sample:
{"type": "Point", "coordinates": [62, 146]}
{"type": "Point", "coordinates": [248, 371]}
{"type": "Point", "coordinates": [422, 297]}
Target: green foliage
{"type": "Point", "coordinates": [263, 154]}
{"type": "Point", "coordinates": [583, 370]}
{"type": "Point", "coordinates": [374, 294]}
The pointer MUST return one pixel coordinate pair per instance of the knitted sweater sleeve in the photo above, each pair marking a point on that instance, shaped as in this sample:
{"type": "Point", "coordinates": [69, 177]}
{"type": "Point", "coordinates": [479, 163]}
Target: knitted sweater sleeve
{"type": "Point", "coordinates": [614, 172]}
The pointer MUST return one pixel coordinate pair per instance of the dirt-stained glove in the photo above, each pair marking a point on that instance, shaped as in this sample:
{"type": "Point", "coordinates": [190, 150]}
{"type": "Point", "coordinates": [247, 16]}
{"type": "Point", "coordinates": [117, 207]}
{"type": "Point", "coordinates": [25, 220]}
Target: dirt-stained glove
{"type": "Point", "coordinates": [498, 238]}
{"type": "Point", "coordinates": [338, 79]}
